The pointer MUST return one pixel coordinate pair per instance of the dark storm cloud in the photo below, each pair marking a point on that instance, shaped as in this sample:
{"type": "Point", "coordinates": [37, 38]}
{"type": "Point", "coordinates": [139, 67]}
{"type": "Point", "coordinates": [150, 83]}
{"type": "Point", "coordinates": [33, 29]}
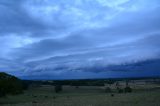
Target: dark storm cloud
{"type": "Point", "coordinates": [15, 19]}
{"type": "Point", "coordinates": [100, 60]}
{"type": "Point", "coordinates": [77, 37]}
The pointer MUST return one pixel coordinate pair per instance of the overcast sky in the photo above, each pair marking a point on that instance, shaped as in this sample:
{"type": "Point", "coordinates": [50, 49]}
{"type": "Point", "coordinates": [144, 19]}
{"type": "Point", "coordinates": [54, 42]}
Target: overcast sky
{"type": "Point", "coordinates": [61, 39]}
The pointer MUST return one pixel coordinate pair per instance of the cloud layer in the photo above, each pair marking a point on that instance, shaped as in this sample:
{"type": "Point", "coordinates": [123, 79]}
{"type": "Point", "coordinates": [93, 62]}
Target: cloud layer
{"type": "Point", "coordinates": [78, 38]}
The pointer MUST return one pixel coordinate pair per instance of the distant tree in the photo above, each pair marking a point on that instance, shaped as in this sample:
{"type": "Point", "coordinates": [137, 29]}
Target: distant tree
{"type": "Point", "coordinates": [119, 90]}
{"type": "Point", "coordinates": [110, 82]}
{"type": "Point", "coordinates": [117, 84]}
{"type": "Point", "coordinates": [127, 83]}
{"type": "Point", "coordinates": [58, 88]}
{"type": "Point", "coordinates": [128, 89]}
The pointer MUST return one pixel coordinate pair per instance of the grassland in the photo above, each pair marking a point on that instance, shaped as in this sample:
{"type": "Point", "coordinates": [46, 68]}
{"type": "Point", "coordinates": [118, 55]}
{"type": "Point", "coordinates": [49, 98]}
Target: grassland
{"type": "Point", "coordinates": [84, 96]}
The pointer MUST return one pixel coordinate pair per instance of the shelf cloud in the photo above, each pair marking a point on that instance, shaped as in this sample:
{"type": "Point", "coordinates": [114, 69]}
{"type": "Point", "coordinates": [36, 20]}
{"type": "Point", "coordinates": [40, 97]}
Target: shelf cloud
{"type": "Point", "coordinates": [61, 39]}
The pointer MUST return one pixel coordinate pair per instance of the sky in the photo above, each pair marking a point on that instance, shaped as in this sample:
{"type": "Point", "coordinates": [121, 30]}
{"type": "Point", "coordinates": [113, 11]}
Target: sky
{"type": "Point", "coordinates": [79, 39]}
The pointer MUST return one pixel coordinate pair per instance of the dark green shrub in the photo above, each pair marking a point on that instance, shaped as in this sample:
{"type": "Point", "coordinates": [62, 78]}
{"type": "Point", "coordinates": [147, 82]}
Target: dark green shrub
{"type": "Point", "coordinates": [58, 88]}
{"type": "Point", "coordinates": [128, 89]}
{"type": "Point", "coordinates": [110, 82]}
{"type": "Point", "coordinates": [119, 90]}
{"type": "Point", "coordinates": [112, 95]}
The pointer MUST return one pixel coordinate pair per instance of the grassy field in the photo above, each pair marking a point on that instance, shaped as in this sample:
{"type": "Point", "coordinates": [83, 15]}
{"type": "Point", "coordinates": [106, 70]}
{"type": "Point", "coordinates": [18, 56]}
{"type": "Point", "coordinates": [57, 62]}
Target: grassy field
{"type": "Point", "coordinates": [82, 96]}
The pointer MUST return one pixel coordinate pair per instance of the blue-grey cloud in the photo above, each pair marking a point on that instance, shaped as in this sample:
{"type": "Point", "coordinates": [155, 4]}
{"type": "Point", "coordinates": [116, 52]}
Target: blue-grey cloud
{"type": "Point", "coordinates": [58, 38]}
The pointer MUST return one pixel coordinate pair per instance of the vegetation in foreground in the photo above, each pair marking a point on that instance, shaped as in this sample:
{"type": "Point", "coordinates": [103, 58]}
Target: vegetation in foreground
{"type": "Point", "coordinates": [10, 85]}
{"type": "Point", "coordinates": [83, 96]}
{"type": "Point", "coordinates": [87, 93]}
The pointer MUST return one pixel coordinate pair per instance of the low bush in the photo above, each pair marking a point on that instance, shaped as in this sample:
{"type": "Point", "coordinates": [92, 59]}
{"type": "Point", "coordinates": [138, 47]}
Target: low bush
{"type": "Point", "coordinates": [58, 88]}
{"type": "Point", "coordinates": [120, 90]}
{"type": "Point", "coordinates": [128, 89]}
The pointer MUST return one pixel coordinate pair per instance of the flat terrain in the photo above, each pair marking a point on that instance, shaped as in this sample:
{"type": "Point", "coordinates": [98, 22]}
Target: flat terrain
{"type": "Point", "coordinates": [84, 96]}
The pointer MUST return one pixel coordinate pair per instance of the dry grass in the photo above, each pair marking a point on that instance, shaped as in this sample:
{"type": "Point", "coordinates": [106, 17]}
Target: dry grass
{"type": "Point", "coordinates": [83, 96]}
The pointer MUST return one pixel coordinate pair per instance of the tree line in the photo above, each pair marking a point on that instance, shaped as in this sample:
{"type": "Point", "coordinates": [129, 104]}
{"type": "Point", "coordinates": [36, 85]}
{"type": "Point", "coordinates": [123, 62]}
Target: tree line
{"type": "Point", "coordinates": [10, 85]}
